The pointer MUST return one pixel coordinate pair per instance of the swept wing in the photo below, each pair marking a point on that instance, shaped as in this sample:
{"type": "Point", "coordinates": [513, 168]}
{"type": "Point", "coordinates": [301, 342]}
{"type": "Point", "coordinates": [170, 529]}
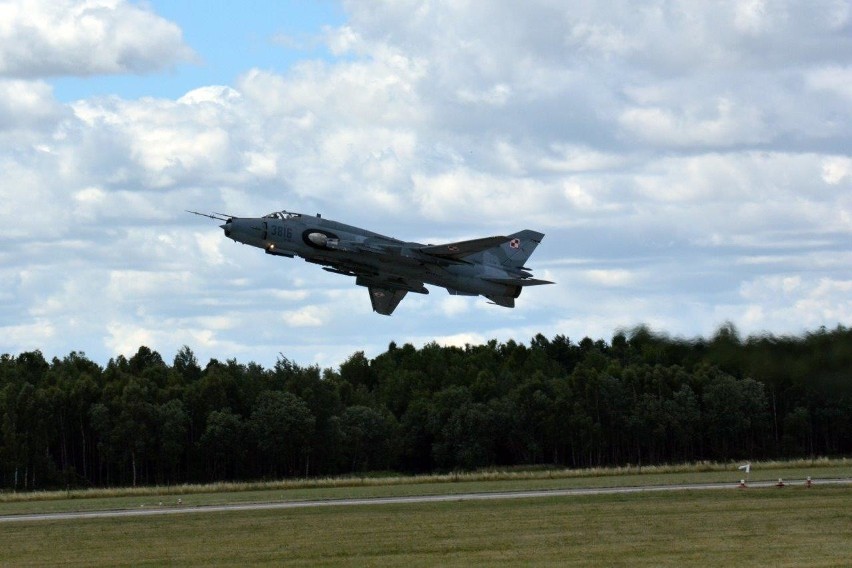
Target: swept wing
{"type": "Point", "coordinates": [385, 300]}
{"type": "Point", "coordinates": [461, 249]}
{"type": "Point", "coordinates": [386, 290]}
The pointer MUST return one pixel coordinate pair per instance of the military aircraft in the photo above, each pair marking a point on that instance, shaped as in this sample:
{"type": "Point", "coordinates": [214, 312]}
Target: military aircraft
{"type": "Point", "coordinates": [390, 268]}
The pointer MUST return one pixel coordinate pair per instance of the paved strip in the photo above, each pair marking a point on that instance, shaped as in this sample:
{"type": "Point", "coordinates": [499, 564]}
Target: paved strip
{"type": "Point", "coordinates": [400, 500]}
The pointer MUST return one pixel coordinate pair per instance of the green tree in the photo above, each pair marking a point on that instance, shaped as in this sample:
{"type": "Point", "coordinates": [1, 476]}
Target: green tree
{"type": "Point", "coordinates": [135, 426]}
{"type": "Point", "coordinates": [735, 416]}
{"type": "Point", "coordinates": [368, 438]}
{"type": "Point", "coordinates": [224, 445]}
{"type": "Point", "coordinates": [282, 427]}
{"type": "Point", "coordinates": [186, 365]}
{"type": "Point", "coordinates": [173, 426]}
{"type": "Point", "coordinates": [468, 438]}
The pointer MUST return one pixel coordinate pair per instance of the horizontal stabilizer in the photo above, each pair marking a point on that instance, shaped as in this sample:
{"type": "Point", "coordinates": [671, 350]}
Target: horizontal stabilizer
{"type": "Point", "coordinates": [463, 248]}
{"type": "Point", "coordinates": [520, 281]}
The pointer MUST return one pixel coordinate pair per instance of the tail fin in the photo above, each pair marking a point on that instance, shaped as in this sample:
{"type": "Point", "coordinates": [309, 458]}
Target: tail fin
{"type": "Point", "coordinates": [515, 252]}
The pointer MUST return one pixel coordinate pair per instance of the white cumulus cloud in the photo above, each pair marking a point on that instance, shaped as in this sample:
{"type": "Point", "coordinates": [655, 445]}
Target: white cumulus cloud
{"type": "Point", "coordinates": [45, 38]}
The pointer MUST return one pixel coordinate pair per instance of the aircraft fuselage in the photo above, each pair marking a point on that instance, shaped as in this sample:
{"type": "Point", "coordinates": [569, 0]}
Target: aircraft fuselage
{"type": "Point", "coordinates": [492, 266]}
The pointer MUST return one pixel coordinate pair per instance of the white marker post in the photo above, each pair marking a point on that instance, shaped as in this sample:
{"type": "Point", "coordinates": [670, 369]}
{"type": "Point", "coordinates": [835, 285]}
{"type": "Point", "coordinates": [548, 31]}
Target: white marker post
{"type": "Point", "coordinates": [747, 468]}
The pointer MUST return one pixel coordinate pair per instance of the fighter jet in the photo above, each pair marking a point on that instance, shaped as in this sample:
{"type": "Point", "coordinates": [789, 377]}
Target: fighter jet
{"type": "Point", "coordinates": [390, 268]}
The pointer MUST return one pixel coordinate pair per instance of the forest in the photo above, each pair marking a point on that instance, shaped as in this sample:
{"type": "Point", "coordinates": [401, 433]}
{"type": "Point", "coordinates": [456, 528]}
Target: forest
{"type": "Point", "coordinates": [642, 398]}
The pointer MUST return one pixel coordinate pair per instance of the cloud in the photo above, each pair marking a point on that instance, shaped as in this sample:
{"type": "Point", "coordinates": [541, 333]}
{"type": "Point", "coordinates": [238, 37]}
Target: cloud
{"type": "Point", "coordinates": [835, 169]}
{"type": "Point", "coordinates": [310, 316]}
{"type": "Point", "coordinates": [776, 301]}
{"type": "Point", "coordinates": [165, 143]}
{"type": "Point", "coordinates": [29, 336]}
{"type": "Point", "coordinates": [27, 105]}
{"type": "Point", "coordinates": [833, 79]}
{"type": "Point", "coordinates": [460, 340]}
{"type": "Point", "coordinates": [453, 194]}
{"type": "Point", "coordinates": [615, 277]}
{"type": "Point", "coordinates": [688, 164]}
{"type": "Point", "coordinates": [48, 38]}
{"type": "Point", "coordinates": [723, 124]}
{"type": "Point", "coordinates": [455, 305]}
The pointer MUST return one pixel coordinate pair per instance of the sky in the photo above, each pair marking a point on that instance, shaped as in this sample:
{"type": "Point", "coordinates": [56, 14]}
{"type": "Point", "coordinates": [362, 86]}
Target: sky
{"type": "Point", "coordinates": [689, 162]}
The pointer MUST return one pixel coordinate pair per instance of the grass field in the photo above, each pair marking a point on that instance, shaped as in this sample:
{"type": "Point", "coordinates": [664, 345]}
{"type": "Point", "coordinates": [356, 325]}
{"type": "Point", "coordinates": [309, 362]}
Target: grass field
{"type": "Point", "coordinates": [793, 526]}
{"type": "Point", "coordinates": [340, 488]}
{"type": "Point", "coordinates": [778, 527]}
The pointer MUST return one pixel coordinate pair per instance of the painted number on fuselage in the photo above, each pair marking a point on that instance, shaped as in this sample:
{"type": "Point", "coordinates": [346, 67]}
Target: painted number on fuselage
{"type": "Point", "coordinates": [281, 231]}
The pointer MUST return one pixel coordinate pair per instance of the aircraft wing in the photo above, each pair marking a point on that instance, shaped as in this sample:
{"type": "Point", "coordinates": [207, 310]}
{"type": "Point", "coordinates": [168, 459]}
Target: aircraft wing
{"type": "Point", "coordinates": [385, 300]}
{"type": "Point", "coordinates": [386, 290]}
{"type": "Point", "coordinates": [463, 248]}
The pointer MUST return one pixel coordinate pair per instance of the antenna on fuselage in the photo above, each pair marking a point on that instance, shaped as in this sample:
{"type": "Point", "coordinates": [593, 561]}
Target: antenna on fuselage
{"type": "Point", "coordinates": [216, 216]}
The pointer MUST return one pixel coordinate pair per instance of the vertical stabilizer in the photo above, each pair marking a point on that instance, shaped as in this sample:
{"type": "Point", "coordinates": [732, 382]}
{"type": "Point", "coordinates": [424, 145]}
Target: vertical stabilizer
{"type": "Point", "coordinates": [515, 252]}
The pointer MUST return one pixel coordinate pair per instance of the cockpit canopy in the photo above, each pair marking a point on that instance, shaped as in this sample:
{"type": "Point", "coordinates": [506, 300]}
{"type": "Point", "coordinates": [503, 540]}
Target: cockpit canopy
{"type": "Point", "coordinates": [282, 215]}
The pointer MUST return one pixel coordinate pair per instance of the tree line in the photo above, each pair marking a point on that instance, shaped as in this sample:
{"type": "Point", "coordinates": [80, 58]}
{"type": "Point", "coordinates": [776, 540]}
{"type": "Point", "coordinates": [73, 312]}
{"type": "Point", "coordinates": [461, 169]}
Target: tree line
{"type": "Point", "coordinates": [641, 398]}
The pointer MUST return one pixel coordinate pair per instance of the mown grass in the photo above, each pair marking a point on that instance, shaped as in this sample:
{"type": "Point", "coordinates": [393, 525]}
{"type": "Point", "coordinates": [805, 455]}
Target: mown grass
{"type": "Point", "coordinates": [384, 486]}
{"type": "Point", "coordinates": [787, 527]}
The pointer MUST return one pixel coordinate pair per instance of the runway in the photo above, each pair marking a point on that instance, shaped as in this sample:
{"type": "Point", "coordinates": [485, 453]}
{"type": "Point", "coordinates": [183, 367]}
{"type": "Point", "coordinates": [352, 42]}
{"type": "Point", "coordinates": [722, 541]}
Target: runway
{"type": "Point", "coordinates": [184, 509]}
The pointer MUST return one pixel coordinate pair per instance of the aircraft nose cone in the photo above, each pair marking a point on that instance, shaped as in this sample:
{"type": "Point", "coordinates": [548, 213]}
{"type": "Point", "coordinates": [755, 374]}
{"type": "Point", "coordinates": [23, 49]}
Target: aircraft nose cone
{"type": "Point", "coordinates": [227, 228]}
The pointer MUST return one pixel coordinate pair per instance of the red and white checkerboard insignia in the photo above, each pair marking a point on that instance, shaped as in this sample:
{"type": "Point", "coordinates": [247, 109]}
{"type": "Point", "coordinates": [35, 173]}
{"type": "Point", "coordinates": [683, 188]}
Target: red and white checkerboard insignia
{"type": "Point", "coordinates": [515, 243]}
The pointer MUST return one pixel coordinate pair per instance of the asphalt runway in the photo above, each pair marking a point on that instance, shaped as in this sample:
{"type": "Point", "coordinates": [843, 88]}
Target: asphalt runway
{"type": "Point", "coordinates": [182, 509]}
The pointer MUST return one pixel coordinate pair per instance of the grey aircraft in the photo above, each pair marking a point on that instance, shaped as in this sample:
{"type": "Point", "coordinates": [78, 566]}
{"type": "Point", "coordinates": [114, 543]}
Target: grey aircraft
{"type": "Point", "coordinates": [390, 268]}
